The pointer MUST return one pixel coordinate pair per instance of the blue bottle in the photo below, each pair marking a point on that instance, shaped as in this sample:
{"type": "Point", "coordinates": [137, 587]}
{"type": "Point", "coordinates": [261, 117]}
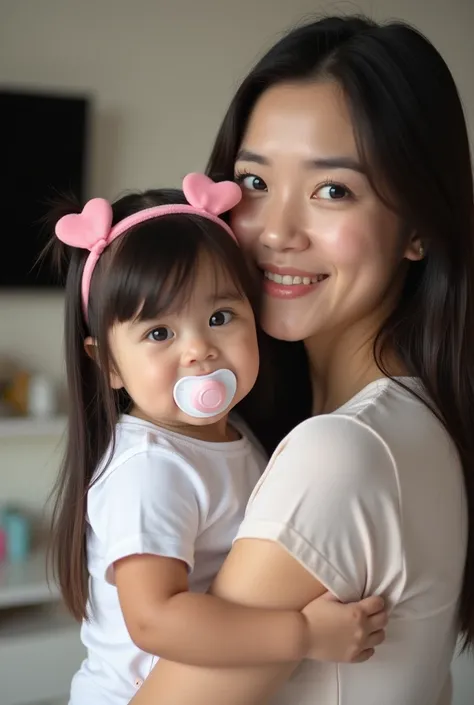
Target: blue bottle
{"type": "Point", "coordinates": [17, 530]}
{"type": "Point", "coordinates": [3, 536]}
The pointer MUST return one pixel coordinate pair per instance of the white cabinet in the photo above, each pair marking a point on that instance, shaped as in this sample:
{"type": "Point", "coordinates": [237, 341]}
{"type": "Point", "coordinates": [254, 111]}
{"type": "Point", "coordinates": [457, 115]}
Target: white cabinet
{"type": "Point", "coordinates": [40, 647]}
{"type": "Point", "coordinates": [463, 679]}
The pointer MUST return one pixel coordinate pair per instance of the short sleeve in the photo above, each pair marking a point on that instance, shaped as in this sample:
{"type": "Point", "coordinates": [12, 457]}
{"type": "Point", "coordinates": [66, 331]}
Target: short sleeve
{"type": "Point", "coordinates": [330, 498]}
{"type": "Point", "coordinates": [146, 504]}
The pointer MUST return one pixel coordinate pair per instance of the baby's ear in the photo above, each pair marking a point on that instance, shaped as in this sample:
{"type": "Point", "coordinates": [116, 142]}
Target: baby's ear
{"type": "Point", "coordinates": [115, 380]}
{"type": "Point", "coordinates": [90, 346]}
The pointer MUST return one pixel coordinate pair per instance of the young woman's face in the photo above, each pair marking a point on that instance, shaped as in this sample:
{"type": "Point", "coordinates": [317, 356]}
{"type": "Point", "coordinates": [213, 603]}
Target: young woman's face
{"type": "Point", "coordinates": [331, 253]}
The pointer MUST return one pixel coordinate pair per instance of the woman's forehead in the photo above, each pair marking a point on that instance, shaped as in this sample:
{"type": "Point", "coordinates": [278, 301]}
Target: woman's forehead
{"type": "Point", "coordinates": [302, 120]}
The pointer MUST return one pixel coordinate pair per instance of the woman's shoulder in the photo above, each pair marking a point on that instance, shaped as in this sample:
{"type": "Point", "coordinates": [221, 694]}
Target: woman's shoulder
{"type": "Point", "coordinates": [343, 449]}
{"type": "Point", "coordinates": [350, 424]}
{"type": "Point", "coordinates": [389, 411]}
{"type": "Point", "coordinates": [377, 453]}
{"type": "Point", "coordinates": [377, 438]}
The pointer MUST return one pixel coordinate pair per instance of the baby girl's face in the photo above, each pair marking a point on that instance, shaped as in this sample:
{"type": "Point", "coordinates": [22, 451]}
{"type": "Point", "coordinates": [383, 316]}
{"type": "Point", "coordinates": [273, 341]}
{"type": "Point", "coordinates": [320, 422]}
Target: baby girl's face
{"type": "Point", "coordinates": [215, 329]}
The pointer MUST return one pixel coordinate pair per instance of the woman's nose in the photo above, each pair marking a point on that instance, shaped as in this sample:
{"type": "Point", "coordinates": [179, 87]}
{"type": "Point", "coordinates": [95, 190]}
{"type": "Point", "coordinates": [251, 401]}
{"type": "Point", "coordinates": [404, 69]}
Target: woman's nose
{"type": "Point", "coordinates": [282, 229]}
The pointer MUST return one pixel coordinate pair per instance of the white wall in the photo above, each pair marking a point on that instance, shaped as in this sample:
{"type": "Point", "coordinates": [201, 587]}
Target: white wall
{"type": "Point", "coordinates": [161, 73]}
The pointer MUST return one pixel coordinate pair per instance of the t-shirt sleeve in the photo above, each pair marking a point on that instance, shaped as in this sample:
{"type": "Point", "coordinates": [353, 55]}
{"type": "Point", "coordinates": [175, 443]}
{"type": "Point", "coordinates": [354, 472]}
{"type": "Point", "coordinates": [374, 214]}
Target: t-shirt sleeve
{"type": "Point", "coordinates": [330, 498]}
{"type": "Point", "coordinates": [147, 504]}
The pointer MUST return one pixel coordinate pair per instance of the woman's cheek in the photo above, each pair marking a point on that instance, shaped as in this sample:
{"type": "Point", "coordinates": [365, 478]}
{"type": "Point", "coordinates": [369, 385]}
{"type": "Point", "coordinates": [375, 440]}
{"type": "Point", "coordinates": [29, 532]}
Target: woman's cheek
{"type": "Point", "coordinates": [343, 245]}
{"type": "Point", "coordinates": [246, 222]}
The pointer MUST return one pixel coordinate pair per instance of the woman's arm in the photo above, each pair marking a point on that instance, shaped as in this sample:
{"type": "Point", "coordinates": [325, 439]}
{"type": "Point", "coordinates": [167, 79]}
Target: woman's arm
{"type": "Point", "coordinates": [259, 574]}
{"type": "Point", "coordinates": [165, 619]}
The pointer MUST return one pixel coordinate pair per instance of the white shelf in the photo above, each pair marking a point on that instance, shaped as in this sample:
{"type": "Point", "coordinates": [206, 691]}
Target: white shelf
{"type": "Point", "coordinates": [40, 646]}
{"type": "Point", "coordinates": [12, 426]}
{"type": "Point", "coordinates": [39, 653]}
{"type": "Point", "coordinates": [23, 584]}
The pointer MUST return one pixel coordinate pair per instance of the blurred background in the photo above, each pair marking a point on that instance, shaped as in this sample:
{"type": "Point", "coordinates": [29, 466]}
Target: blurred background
{"type": "Point", "coordinates": [101, 96]}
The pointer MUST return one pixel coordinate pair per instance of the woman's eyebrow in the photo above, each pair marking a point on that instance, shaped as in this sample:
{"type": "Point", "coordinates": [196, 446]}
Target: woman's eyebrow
{"type": "Point", "coordinates": [338, 162]}
{"type": "Point", "coordinates": [245, 155]}
{"type": "Point", "coordinates": [335, 163]}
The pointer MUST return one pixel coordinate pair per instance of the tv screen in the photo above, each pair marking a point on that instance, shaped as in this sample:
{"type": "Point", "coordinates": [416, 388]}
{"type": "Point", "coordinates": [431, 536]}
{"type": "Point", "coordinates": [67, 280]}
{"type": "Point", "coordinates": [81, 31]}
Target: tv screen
{"type": "Point", "coordinates": [44, 153]}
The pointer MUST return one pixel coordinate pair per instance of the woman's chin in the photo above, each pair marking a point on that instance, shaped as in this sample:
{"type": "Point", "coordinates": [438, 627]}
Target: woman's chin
{"type": "Point", "coordinates": [281, 329]}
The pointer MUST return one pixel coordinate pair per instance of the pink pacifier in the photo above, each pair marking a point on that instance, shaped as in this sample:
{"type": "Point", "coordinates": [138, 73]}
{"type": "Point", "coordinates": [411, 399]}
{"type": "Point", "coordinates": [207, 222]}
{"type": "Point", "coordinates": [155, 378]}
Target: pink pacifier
{"type": "Point", "coordinates": [203, 396]}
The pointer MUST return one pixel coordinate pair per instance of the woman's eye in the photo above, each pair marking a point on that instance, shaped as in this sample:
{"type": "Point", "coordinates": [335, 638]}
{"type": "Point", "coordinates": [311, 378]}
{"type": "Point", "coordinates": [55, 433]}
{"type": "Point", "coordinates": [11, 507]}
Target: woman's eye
{"type": "Point", "coordinates": [332, 192]}
{"type": "Point", "coordinates": [251, 182]}
{"type": "Point", "coordinates": [221, 318]}
{"type": "Point", "coordinates": [160, 334]}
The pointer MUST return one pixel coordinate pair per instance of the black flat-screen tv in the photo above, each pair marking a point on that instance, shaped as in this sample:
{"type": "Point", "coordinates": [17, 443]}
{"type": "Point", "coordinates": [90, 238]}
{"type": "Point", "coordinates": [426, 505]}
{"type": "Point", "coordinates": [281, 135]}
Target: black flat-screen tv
{"type": "Point", "coordinates": [44, 153]}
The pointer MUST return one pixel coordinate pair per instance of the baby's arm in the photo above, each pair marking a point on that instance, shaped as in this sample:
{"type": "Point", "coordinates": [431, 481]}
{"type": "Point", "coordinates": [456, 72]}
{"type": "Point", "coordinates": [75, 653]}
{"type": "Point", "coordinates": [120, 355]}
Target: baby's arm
{"type": "Point", "coordinates": [146, 511]}
{"type": "Point", "coordinates": [163, 618]}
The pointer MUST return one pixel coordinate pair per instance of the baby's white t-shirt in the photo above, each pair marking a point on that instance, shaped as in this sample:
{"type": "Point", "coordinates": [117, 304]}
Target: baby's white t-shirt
{"type": "Point", "coordinates": [370, 500]}
{"type": "Point", "coordinates": [163, 494]}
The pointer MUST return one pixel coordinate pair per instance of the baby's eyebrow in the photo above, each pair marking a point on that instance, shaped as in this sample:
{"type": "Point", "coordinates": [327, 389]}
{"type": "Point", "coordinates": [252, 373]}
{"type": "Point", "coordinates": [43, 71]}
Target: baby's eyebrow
{"type": "Point", "coordinates": [223, 296]}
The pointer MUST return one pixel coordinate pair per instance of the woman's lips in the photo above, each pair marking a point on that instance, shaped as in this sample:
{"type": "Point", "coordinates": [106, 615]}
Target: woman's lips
{"type": "Point", "coordinates": [290, 283]}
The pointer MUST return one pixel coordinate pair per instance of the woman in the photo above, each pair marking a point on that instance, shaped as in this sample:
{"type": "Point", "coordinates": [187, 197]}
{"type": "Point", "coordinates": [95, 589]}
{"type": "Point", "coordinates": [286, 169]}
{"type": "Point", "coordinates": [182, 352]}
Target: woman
{"type": "Point", "coordinates": [350, 144]}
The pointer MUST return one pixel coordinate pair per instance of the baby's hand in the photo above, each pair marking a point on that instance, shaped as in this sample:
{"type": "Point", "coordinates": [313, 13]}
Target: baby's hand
{"type": "Point", "coordinates": [345, 632]}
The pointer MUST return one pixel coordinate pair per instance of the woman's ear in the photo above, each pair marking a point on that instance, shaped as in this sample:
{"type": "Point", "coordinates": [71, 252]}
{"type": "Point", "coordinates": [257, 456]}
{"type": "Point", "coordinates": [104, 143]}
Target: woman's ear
{"type": "Point", "coordinates": [415, 250]}
{"type": "Point", "coordinates": [90, 346]}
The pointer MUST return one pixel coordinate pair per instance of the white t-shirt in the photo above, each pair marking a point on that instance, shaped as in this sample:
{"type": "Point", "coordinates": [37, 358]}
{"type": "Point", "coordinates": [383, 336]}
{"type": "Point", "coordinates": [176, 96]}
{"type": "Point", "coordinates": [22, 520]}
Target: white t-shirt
{"type": "Point", "coordinates": [370, 499]}
{"type": "Point", "coordinates": [163, 494]}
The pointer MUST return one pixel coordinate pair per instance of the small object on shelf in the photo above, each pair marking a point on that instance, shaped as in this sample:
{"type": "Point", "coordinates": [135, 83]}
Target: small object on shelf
{"type": "Point", "coordinates": [41, 397]}
{"type": "Point", "coordinates": [3, 544]}
{"type": "Point", "coordinates": [26, 393]}
{"type": "Point", "coordinates": [17, 532]}
{"type": "Point", "coordinates": [16, 392]}
{"type": "Point", "coordinates": [3, 536]}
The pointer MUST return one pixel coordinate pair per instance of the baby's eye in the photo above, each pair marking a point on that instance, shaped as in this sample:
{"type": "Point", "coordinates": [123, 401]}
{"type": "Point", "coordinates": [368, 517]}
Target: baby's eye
{"type": "Point", "coordinates": [221, 318]}
{"type": "Point", "coordinates": [160, 334]}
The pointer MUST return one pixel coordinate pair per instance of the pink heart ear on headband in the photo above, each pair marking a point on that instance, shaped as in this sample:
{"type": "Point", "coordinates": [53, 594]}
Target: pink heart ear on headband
{"type": "Point", "coordinates": [215, 198]}
{"type": "Point", "coordinates": [88, 228]}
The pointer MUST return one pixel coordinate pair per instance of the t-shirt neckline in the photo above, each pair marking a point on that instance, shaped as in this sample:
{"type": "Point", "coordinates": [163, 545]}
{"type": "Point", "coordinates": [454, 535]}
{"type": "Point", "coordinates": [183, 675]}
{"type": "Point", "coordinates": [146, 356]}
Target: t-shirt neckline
{"type": "Point", "coordinates": [238, 444]}
{"type": "Point", "coordinates": [383, 383]}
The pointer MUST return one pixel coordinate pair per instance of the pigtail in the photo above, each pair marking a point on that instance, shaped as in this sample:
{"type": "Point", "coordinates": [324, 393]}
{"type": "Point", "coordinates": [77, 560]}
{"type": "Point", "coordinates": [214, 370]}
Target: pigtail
{"type": "Point", "coordinates": [55, 253]}
{"type": "Point", "coordinates": [88, 432]}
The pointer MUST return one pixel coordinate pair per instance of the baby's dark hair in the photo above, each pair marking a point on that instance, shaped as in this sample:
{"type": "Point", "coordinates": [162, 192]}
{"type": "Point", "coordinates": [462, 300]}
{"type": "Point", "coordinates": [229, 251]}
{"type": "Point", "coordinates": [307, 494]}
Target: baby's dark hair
{"type": "Point", "coordinates": [148, 271]}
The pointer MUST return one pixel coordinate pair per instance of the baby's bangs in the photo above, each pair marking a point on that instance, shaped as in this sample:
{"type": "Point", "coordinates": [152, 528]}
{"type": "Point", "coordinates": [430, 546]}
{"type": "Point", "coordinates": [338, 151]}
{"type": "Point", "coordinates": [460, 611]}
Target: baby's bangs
{"type": "Point", "coordinates": [155, 265]}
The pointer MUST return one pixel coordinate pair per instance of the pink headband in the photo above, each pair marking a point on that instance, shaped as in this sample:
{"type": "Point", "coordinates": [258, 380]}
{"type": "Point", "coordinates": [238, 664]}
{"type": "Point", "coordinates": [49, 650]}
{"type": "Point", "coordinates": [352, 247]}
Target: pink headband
{"type": "Point", "coordinates": [91, 230]}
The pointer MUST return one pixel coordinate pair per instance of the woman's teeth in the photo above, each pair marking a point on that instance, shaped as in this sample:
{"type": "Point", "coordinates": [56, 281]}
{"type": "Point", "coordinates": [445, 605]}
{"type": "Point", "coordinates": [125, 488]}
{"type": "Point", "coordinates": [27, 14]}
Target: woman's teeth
{"type": "Point", "coordinates": [288, 280]}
